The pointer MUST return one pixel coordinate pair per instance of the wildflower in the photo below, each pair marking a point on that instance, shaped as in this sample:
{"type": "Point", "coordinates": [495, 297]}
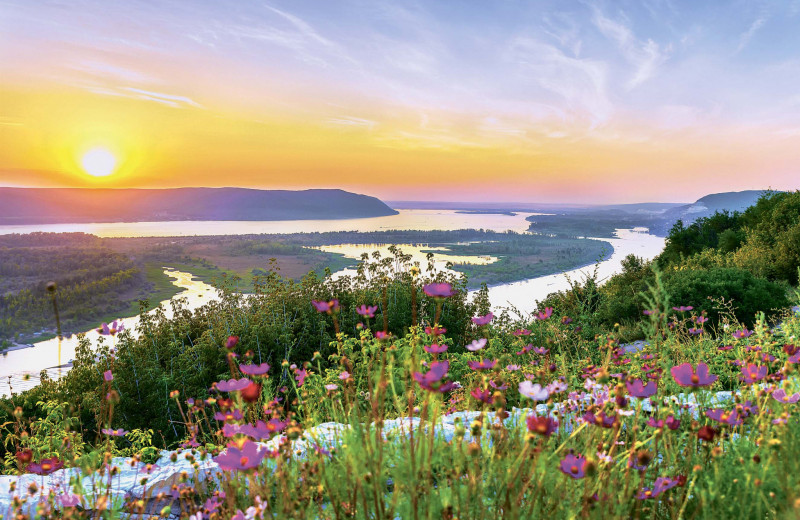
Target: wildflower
{"type": "Point", "coordinates": [233, 385]}
{"type": "Point", "coordinates": [741, 334]}
{"type": "Point", "coordinates": [686, 375]}
{"type": "Point", "coordinates": [521, 332]}
{"type": "Point", "coordinates": [700, 320]}
{"type": "Point", "coordinates": [548, 311]}
{"type": "Point", "coordinates": [111, 329]}
{"type": "Point", "coordinates": [69, 500]}
{"type": "Point", "coordinates": [556, 387]}
{"type": "Point", "coordinates": [730, 418]}
{"type": "Point", "coordinates": [382, 335]}
{"type": "Point", "coordinates": [662, 484]}
{"type": "Point", "coordinates": [707, 433]}
{"type": "Point", "coordinates": [683, 308]}
{"type": "Point", "coordinates": [544, 426]}
{"type": "Point", "coordinates": [439, 290]}
{"type": "Point", "coordinates": [248, 457]}
{"type": "Point", "coordinates": [496, 386]}
{"type": "Point", "coordinates": [435, 330]}
{"type": "Point", "coordinates": [483, 320]}
{"type": "Point", "coordinates": [344, 375]}
{"type": "Point", "coordinates": [45, 466]}
{"type": "Point", "coordinates": [328, 307]}
{"type": "Point", "coordinates": [780, 396]}
{"type": "Point", "coordinates": [573, 466]}
{"type": "Point", "coordinates": [602, 419]}
{"type": "Point", "coordinates": [255, 370]}
{"type": "Point", "coordinates": [476, 345]}
{"type": "Point", "coordinates": [114, 433]}
{"type": "Point", "coordinates": [637, 388]}
{"type": "Point", "coordinates": [234, 415]}
{"type": "Point", "coordinates": [262, 430]}
{"type": "Point", "coordinates": [252, 392]}
{"type": "Point", "coordinates": [438, 370]}
{"type": "Point", "coordinates": [368, 311]}
{"type": "Point", "coordinates": [648, 312]}
{"type": "Point", "coordinates": [525, 349]}
{"type": "Point", "coordinates": [540, 350]}
{"type": "Point", "coordinates": [513, 368]}
{"type": "Point", "coordinates": [435, 349]}
{"type": "Point", "coordinates": [482, 365]}
{"type": "Point", "coordinates": [300, 375]}
{"type": "Point", "coordinates": [695, 331]}
{"type": "Point", "coordinates": [566, 320]}
{"type": "Point", "coordinates": [231, 342]}
{"type": "Point", "coordinates": [108, 376]}
{"type": "Point", "coordinates": [673, 423]}
{"type": "Point", "coordinates": [482, 395]}
{"type": "Point", "coordinates": [653, 423]}
{"type": "Point", "coordinates": [331, 387]}
{"type": "Point", "coordinates": [533, 391]}
{"type": "Point", "coordinates": [640, 460]}
{"type": "Point", "coordinates": [724, 348]}
{"type": "Point", "coordinates": [753, 373]}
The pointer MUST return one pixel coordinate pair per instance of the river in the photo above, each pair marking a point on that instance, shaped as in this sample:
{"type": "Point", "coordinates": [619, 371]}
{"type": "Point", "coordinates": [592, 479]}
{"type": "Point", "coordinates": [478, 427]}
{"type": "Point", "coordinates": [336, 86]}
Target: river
{"type": "Point", "coordinates": [20, 368]}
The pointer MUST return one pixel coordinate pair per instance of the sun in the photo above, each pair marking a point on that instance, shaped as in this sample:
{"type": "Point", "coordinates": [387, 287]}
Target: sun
{"type": "Point", "coordinates": [98, 162]}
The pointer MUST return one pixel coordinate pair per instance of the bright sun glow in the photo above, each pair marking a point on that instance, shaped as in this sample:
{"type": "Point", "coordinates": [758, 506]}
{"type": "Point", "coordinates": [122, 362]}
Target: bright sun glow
{"type": "Point", "coordinates": [99, 162]}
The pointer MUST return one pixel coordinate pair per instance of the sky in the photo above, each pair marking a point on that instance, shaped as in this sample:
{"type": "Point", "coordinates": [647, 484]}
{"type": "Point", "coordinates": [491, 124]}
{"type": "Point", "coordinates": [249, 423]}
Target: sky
{"type": "Point", "coordinates": [504, 100]}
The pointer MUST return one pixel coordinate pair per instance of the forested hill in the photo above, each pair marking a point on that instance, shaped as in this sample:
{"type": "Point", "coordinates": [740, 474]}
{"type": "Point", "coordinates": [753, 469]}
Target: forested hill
{"type": "Point", "coordinates": [71, 205]}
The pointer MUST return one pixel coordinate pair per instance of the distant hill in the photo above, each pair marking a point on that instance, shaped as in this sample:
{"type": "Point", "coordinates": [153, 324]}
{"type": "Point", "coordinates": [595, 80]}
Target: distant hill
{"type": "Point", "coordinates": [710, 204]}
{"type": "Point", "coordinates": [75, 205]}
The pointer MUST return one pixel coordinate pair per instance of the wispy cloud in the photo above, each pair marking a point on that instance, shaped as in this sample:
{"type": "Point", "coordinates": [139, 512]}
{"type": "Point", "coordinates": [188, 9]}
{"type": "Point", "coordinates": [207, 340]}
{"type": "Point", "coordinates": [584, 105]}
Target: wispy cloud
{"type": "Point", "coordinates": [352, 122]}
{"type": "Point", "coordinates": [745, 37]}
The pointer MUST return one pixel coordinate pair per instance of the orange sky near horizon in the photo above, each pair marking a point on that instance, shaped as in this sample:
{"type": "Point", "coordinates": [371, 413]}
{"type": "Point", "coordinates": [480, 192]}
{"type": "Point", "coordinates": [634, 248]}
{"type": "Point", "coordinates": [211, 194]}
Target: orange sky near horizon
{"type": "Point", "coordinates": [223, 117]}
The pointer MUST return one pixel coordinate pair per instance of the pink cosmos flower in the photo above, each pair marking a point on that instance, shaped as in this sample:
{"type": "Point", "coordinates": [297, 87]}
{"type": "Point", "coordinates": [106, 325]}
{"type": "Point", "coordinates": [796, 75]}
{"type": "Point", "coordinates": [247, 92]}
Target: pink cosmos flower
{"type": "Point", "coordinates": [544, 426]}
{"type": "Point", "coordinates": [780, 396]}
{"type": "Point", "coordinates": [683, 308]}
{"type": "Point", "coordinates": [231, 342]}
{"type": "Point", "coordinates": [328, 307]}
{"type": "Point", "coordinates": [753, 373]}
{"type": "Point", "coordinates": [439, 290]}
{"type": "Point", "coordinates": [435, 349]}
{"type": "Point", "coordinates": [476, 345]}
{"type": "Point", "coordinates": [344, 375]}
{"type": "Point", "coordinates": [111, 329]}
{"type": "Point", "coordinates": [653, 423]}
{"type": "Point", "coordinates": [541, 350]}
{"type": "Point", "coordinates": [556, 387]}
{"type": "Point", "coordinates": [45, 466]}
{"type": "Point", "coordinates": [662, 484]}
{"type": "Point", "coordinates": [331, 387]}
{"type": "Point", "coordinates": [695, 331]}
{"type": "Point", "coordinates": [513, 368]}
{"type": "Point", "coordinates": [566, 320]}
{"type": "Point", "coordinates": [685, 375]}
{"type": "Point", "coordinates": [69, 500]}
{"type": "Point", "coordinates": [533, 391]}
{"type": "Point", "coordinates": [108, 376]}
{"type": "Point", "coordinates": [673, 423]}
{"type": "Point", "coordinates": [368, 311]}
{"type": "Point", "coordinates": [254, 370]}
{"type": "Point", "coordinates": [525, 349]}
{"type": "Point", "coordinates": [486, 364]}
{"type": "Point", "coordinates": [602, 419]}
{"type": "Point", "coordinates": [648, 312]}
{"type": "Point", "coordinates": [248, 457]}
{"type": "Point", "coordinates": [700, 320]}
{"type": "Point", "coordinates": [300, 375]}
{"type": "Point", "coordinates": [730, 418]}
{"type": "Point", "coordinates": [483, 320]}
{"type": "Point", "coordinates": [234, 415]}
{"type": "Point", "coordinates": [496, 386]}
{"type": "Point", "coordinates": [521, 332]}
{"type": "Point", "coordinates": [436, 330]}
{"type": "Point", "coordinates": [432, 379]}
{"type": "Point", "coordinates": [114, 433]}
{"type": "Point", "coordinates": [573, 466]}
{"type": "Point", "coordinates": [724, 348]}
{"type": "Point", "coordinates": [741, 334]}
{"type": "Point", "coordinates": [548, 311]}
{"type": "Point", "coordinates": [482, 395]}
{"type": "Point", "coordinates": [233, 385]}
{"type": "Point", "coordinates": [637, 388]}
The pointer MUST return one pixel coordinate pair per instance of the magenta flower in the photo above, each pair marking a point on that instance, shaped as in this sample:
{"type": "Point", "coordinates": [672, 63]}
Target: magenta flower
{"type": "Point", "coordinates": [483, 320]}
{"type": "Point", "coordinates": [368, 311]}
{"type": "Point", "coordinates": [262, 430]}
{"type": "Point", "coordinates": [108, 376]}
{"type": "Point", "coordinates": [548, 311]}
{"type": "Point", "coordinates": [233, 385]}
{"type": "Point", "coordinates": [662, 484]}
{"type": "Point", "coordinates": [300, 375]}
{"type": "Point", "coordinates": [648, 312]}
{"type": "Point", "coordinates": [673, 423]}
{"type": "Point", "coordinates": [780, 396]}
{"type": "Point", "coordinates": [794, 358]}
{"type": "Point", "coordinates": [439, 290]}
{"type": "Point", "coordinates": [521, 332]}
{"type": "Point", "coordinates": [573, 466]}
{"type": "Point", "coordinates": [741, 334]}
{"type": "Point", "coordinates": [695, 331]}
{"type": "Point", "coordinates": [683, 308]}
{"type": "Point", "coordinates": [486, 364]}
{"type": "Point", "coordinates": [234, 415]}
{"type": "Point", "coordinates": [111, 329]}
{"type": "Point", "coordinates": [542, 425]}
{"type": "Point", "coordinates": [476, 345]}
{"type": "Point", "coordinates": [482, 395]}
{"type": "Point", "coordinates": [513, 368]}
{"type": "Point", "coordinates": [328, 307]}
{"type": "Point", "coordinates": [69, 500]}
{"type": "Point", "coordinates": [382, 335]}
{"type": "Point", "coordinates": [724, 348]}
{"type": "Point", "coordinates": [541, 350]}
{"type": "Point", "coordinates": [533, 391]}
{"type": "Point", "coordinates": [436, 330]}
{"type": "Point", "coordinates": [753, 373]}
{"type": "Point", "coordinates": [45, 466]}
{"type": "Point", "coordinates": [525, 349]}
{"type": "Point", "coordinates": [432, 379]}
{"type": "Point", "coordinates": [231, 342]}
{"type": "Point", "coordinates": [114, 433]}
{"type": "Point", "coordinates": [700, 320]}
{"type": "Point", "coordinates": [344, 375]}
{"type": "Point", "coordinates": [248, 457]}
{"type": "Point", "coordinates": [602, 419]}
{"type": "Point", "coordinates": [685, 375]}
{"type": "Point", "coordinates": [556, 387]}
{"type": "Point", "coordinates": [566, 320]}
{"type": "Point", "coordinates": [496, 386]}
{"type": "Point", "coordinates": [653, 423]}
{"type": "Point", "coordinates": [435, 349]}
{"type": "Point", "coordinates": [331, 387]}
{"type": "Point", "coordinates": [722, 416]}
{"type": "Point", "coordinates": [254, 370]}
{"type": "Point", "coordinates": [637, 388]}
